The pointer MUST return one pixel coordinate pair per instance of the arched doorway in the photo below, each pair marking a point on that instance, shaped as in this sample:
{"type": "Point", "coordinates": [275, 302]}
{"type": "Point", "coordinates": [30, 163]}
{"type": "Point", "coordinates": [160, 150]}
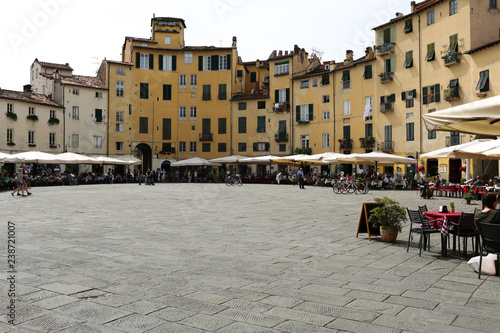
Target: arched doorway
{"type": "Point", "coordinates": [147, 155]}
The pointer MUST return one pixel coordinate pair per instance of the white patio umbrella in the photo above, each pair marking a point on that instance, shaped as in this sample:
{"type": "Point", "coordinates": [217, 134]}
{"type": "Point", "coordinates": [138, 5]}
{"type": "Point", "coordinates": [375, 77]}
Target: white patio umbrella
{"type": "Point", "coordinates": [72, 158]}
{"type": "Point", "coordinates": [7, 158]}
{"type": "Point", "coordinates": [267, 159]}
{"type": "Point", "coordinates": [378, 157]}
{"type": "Point", "coordinates": [319, 158]}
{"type": "Point", "coordinates": [342, 158]}
{"type": "Point", "coordinates": [109, 160]}
{"type": "Point", "coordinates": [195, 161]}
{"type": "Point", "coordinates": [39, 157]}
{"type": "Point", "coordinates": [229, 159]}
{"type": "Point", "coordinates": [464, 150]}
{"type": "Point", "coordinates": [131, 160]}
{"type": "Point", "coordinates": [291, 160]}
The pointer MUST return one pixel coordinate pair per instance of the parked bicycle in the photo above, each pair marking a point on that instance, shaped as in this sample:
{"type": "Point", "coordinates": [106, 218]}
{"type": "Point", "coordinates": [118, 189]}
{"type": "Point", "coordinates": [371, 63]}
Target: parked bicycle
{"type": "Point", "coordinates": [342, 187]}
{"type": "Point", "coordinates": [233, 180]}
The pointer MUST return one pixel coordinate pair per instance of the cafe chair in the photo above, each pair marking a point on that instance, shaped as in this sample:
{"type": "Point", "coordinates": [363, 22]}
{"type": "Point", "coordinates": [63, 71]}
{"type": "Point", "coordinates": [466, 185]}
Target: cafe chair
{"type": "Point", "coordinates": [420, 225]}
{"type": "Point", "coordinates": [490, 242]}
{"type": "Point", "coordinates": [422, 209]}
{"type": "Point", "coordinates": [465, 228]}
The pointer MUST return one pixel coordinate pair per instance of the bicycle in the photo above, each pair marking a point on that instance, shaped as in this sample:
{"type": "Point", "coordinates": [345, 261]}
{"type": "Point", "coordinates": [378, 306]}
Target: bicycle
{"type": "Point", "coordinates": [232, 180]}
{"type": "Point", "coordinates": [343, 187]}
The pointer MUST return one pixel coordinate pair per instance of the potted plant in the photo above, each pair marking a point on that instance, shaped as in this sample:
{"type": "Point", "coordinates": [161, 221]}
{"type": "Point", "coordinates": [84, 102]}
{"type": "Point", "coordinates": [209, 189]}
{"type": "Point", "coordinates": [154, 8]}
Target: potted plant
{"type": "Point", "coordinates": [452, 207]}
{"type": "Point", "coordinates": [389, 216]}
{"type": "Point", "coordinates": [421, 169]}
{"type": "Point", "coordinates": [468, 197]}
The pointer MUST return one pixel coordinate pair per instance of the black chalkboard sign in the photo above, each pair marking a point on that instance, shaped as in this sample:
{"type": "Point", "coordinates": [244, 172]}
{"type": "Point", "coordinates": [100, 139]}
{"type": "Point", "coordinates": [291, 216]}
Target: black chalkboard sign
{"type": "Point", "coordinates": [364, 226]}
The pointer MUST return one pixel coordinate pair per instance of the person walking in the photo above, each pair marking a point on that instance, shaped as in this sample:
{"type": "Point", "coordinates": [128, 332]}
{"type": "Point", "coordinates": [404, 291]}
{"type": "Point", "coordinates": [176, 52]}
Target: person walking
{"type": "Point", "coordinates": [300, 176]}
{"type": "Point", "coordinates": [19, 183]}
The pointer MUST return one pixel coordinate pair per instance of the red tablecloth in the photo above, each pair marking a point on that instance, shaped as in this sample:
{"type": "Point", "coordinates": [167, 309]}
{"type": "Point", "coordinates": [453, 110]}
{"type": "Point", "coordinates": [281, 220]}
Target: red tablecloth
{"type": "Point", "coordinates": [443, 219]}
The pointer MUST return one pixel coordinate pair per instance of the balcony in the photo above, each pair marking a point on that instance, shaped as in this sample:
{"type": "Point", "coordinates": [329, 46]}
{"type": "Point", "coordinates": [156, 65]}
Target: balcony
{"type": "Point", "coordinates": [386, 77]}
{"type": "Point", "coordinates": [385, 49]}
{"type": "Point", "coordinates": [281, 137]}
{"type": "Point", "coordinates": [386, 107]}
{"type": "Point", "coordinates": [451, 93]}
{"type": "Point", "coordinates": [281, 107]}
{"type": "Point", "coordinates": [451, 58]}
{"type": "Point", "coordinates": [368, 142]}
{"type": "Point", "coordinates": [345, 144]}
{"type": "Point", "coordinates": [206, 136]}
{"type": "Point", "coordinates": [387, 146]}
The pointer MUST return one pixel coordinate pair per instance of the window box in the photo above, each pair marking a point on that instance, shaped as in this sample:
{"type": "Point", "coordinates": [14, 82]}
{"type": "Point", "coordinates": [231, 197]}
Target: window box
{"type": "Point", "coordinates": [52, 147]}
{"type": "Point", "coordinates": [451, 93]}
{"type": "Point", "coordinates": [451, 58]}
{"type": "Point", "coordinates": [32, 117]}
{"type": "Point", "coordinates": [11, 115]}
{"type": "Point", "coordinates": [345, 144]}
{"type": "Point", "coordinates": [386, 77]}
{"type": "Point", "coordinates": [11, 144]}
{"type": "Point", "coordinates": [53, 121]}
{"type": "Point", "coordinates": [32, 145]}
{"type": "Point", "coordinates": [282, 107]}
{"type": "Point", "coordinates": [385, 49]}
{"type": "Point", "coordinates": [367, 142]}
{"type": "Point", "coordinates": [386, 107]}
{"type": "Point", "coordinates": [281, 137]}
{"type": "Point", "coordinates": [206, 137]}
{"type": "Point", "coordinates": [303, 122]}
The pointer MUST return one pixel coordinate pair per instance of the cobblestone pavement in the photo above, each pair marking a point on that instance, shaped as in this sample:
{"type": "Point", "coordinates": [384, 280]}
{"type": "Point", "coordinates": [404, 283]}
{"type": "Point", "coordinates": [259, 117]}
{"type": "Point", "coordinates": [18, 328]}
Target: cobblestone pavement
{"type": "Point", "coordinates": [211, 258]}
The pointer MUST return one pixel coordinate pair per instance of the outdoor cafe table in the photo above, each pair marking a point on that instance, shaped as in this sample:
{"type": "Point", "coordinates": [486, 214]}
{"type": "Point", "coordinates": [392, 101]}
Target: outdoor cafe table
{"type": "Point", "coordinates": [443, 226]}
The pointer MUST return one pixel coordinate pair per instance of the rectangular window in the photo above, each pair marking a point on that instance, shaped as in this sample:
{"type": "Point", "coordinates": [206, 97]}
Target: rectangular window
{"type": "Point", "coordinates": [253, 77]}
{"type": "Point", "coordinates": [326, 115]}
{"type": "Point", "coordinates": [409, 59]}
{"type": "Point", "coordinates": [167, 40]}
{"type": "Point", "coordinates": [315, 82]}
{"type": "Point", "coordinates": [453, 43]}
{"type": "Point", "coordinates": [98, 115]}
{"type": "Point", "coordinates": [493, 4]}
{"type": "Point", "coordinates": [75, 140]}
{"type": "Point", "coordinates": [261, 146]}
{"type": "Point", "coordinates": [282, 147]}
{"type": "Point", "coordinates": [10, 108]}
{"type": "Point", "coordinates": [431, 94]}
{"type": "Point", "coordinates": [242, 125]}
{"type": "Point", "coordinates": [368, 108]}
{"type": "Point", "coordinates": [347, 132]}
{"type": "Point", "coordinates": [167, 130]}
{"type": "Point", "coordinates": [410, 131]}
{"type": "Point", "coordinates": [205, 147]}
{"type": "Point", "coordinates": [239, 73]}
{"type": "Point", "coordinates": [222, 91]}
{"type": "Point", "coordinates": [346, 79]}
{"type": "Point", "coordinates": [193, 81]}
{"type": "Point", "coordinates": [207, 94]}
{"type": "Point", "coordinates": [182, 113]}
{"type": "Point", "coordinates": [52, 139]}
{"type": "Point", "coordinates": [120, 88]}
{"type": "Point", "coordinates": [430, 17]}
{"type": "Point", "coordinates": [283, 95]}
{"type": "Point", "coordinates": [261, 124]}
{"type": "Point", "coordinates": [144, 61]}
{"type": "Point", "coordinates": [347, 108]}
{"type": "Point", "coordinates": [168, 63]}
{"type": "Point", "coordinates": [192, 146]}
{"type": "Point", "coordinates": [261, 105]}
{"type": "Point", "coordinates": [304, 113]}
{"type": "Point", "coordinates": [431, 52]}
{"type": "Point", "coordinates": [98, 142]}
{"type": "Point", "coordinates": [368, 130]}
{"type": "Point", "coordinates": [143, 124]}
{"type": "Point", "coordinates": [409, 97]}
{"type": "Point", "coordinates": [10, 135]}
{"type": "Point", "coordinates": [326, 140]}
{"type": "Point", "coordinates": [484, 81]}
{"type": "Point", "coordinates": [182, 81]}
{"type": "Point", "coordinates": [281, 68]}
{"type": "Point", "coordinates": [282, 127]}
{"type": "Point", "coordinates": [242, 106]}
{"type": "Point", "coordinates": [52, 114]}
{"type": "Point", "coordinates": [31, 111]}
{"type": "Point", "coordinates": [182, 146]}
{"type": "Point", "coordinates": [387, 138]}
{"type": "Point", "coordinates": [304, 84]}
{"type": "Point", "coordinates": [119, 146]}
{"type": "Point", "coordinates": [167, 92]}
{"type": "Point", "coordinates": [193, 113]}
{"type": "Point", "coordinates": [222, 125]}
{"type": "Point", "coordinates": [304, 141]}
{"type": "Point", "coordinates": [144, 90]}
{"type": "Point", "coordinates": [76, 91]}
{"type": "Point", "coordinates": [222, 147]}
{"type": "Point", "coordinates": [120, 116]}
{"type": "Point", "coordinates": [76, 113]}
{"type": "Point", "coordinates": [453, 7]}
{"type": "Point", "coordinates": [326, 98]}
{"type": "Point", "coordinates": [120, 70]}
{"type": "Point", "coordinates": [224, 62]}
{"type": "Point", "coordinates": [242, 146]}
{"type": "Point", "coordinates": [120, 127]}
{"type": "Point", "coordinates": [367, 74]}
{"type": "Point", "coordinates": [325, 80]}
{"type": "Point", "coordinates": [98, 94]}
{"type": "Point", "coordinates": [207, 63]}
{"type": "Point", "coordinates": [408, 26]}
{"type": "Point", "coordinates": [188, 58]}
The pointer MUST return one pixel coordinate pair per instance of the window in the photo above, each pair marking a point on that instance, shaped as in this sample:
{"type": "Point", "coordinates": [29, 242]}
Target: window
{"type": "Point", "coordinates": [261, 105]}
{"type": "Point", "coordinates": [253, 77]}
{"type": "Point", "coordinates": [409, 97]}
{"type": "Point", "coordinates": [315, 82]}
{"type": "Point", "coordinates": [368, 130]}
{"type": "Point", "coordinates": [431, 94]}
{"type": "Point", "coordinates": [205, 147]}
{"type": "Point", "coordinates": [222, 125]}
{"type": "Point", "coordinates": [410, 131]}
{"type": "Point", "coordinates": [281, 95]}
{"type": "Point", "coordinates": [52, 114]}
{"type": "Point", "coordinates": [120, 127]}
{"type": "Point", "coordinates": [493, 4]}
{"type": "Point", "coordinates": [239, 73]}
{"type": "Point", "coordinates": [182, 81]}
{"type": "Point", "coordinates": [167, 131]}
{"type": "Point", "coordinates": [192, 146]}
{"type": "Point", "coordinates": [167, 92]}
{"type": "Point", "coordinates": [98, 142]}
{"type": "Point", "coordinates": [222, 147]}
{"type": "Point", "coordinates": [75, 140]}
{"type": "Point", "coordinates": [98, 115]}
{"type": "Point", "coordinates": [144, 61]}
{"type": "Point", "coordinates": [326, 98]}
{"type": "Point", "coordinates": [168, 63]}
{"type": "Point", "coordinates": [119, 146]}
{"type": "Point", "coordinates": [282, 127]}
{"type": "Point", "coordinates": [386, 103]}
{"type": "Point", "coordinates": [368, 108]}
{"type": "Point", "coordinates": [453, 7]}
{"type": "Point", "coordinates": [304, 84]}
{"type": "Point", "coordinates": [453, 43]}
{"type": "Point", "coordinates": [326, 140]}
{"type": "Point", "coordinates": [326, 115]}
{"type": "Point", "coordinates": [261, 124]}
{"type": "Point", "coordinates": [325, 80]}
{"type": "Point", "coordinates": [76, 91]}
{"type": "Point", "coordinates": [431, 135]}
{"type": "Point", "coordinates": [430, 17]}
{"type": "Point", "coordinates": [347, 108]}
{"type": "Point", "coordinates": [144, 90]}
{"type": "Point", "coordinates": [222, 91]}
{"type": "Point", "coordinates": [346, 79]}
{"type": "Point", "coordinates": [31, 111]}
{"type": "Point", "coordinates": [408, 26]}
{"type": "Point", "coordinates": [167, 40]}
{"type": "Point", "coordinates": [367, 74]}
{"type": "Point", "coordinates": [143, 124]}
{"type": "Point", "coordinates": [224, 62]}
{"type": "Point", "coordinates": [120, 116]}
{"type": "Point", "coordinates": [347, 133]}
{"type": "Point", "coordinates": [431, 53]}
{"type": "Point", "coordinates": [76, 113]}
{"type": "Point", "coordinates": [10, 108]}
{"type": "Point", "coordinates": [52, 139]}
{"type": "Point", "coordinates": [207, 63]}
{"type": "Point", "coordinates": [98, 94]}
{"type": "Point", "coordinates": [182, 146]}
{"type": "Point", "coordinates": [282, 147]}
{"type": "Point", "coordinates": [10, 135]}
{"type": "Point", "coordinates": [193, 81]}
{"type": "Point", "coordinates": [281, 68]}
{"type": "Point", "coordinates": [305, 112]}
{"type": "Point", "coordinates": [188, 58]}
{"type": "Point", "coordinates": [182, 113]}
{"type": "Point", "coordinates": [387, 137]}
{"type": "Point", "coordinates": [242, 146]}
{"type": "Point", "coordinates": [193, 113]}
{"type": "Point", "coordinates": [484, 81]}
{"type": "Point", "coordinates": [242, 106]}
{"type": "Point", "coordinates": [242, 124]}
{"type": "Point", "coordinates": [120, 70]}
{"type": "Point", "coordinates": [207, 95]}
{"type": "Point", "coordinates": [261, 146]}
{"type": "Point", "coordinates": [409, 59]}
{"type": "Point", "coordinates": [120, 88]}
{"type": "Point", "coordinates": [304, 141]}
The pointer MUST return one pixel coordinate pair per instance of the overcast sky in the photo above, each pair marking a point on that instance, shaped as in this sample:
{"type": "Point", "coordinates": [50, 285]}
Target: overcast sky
{"type": "Point", "coordinates": [83, 33]}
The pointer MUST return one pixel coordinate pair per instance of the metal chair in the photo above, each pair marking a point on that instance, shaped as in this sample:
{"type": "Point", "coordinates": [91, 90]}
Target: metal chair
{"type": "Point", "coordinates": [490, 242]}
{"type": "Point", "coordinates": [465, 228]}
{"type": "Point", "coordinates": [423, 227]}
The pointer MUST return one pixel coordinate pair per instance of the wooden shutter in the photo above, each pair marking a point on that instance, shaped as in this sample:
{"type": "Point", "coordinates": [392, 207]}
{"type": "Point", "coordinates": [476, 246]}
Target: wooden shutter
{"type": "Point", "coordinates": [228, 61]}
{"type": "Point", "coordinates": [393, 98]}
{"type": "Point", "coordinates": [288, 94]}
{"type": "Point", "coordinates": [167, 129]}
{"type": "Point", "coordinates": [215, 63]}
{"type": "Point", "coordinates": [297, 113]}
{"type": "Point", "coordinates": [98, 115]}
{"type": "Point", "coordinates": [174, 63]}
{"type": "Point", "coordinates": [403, 96]}
{"type": "Point", "coordinates": [393, 34]}
{"type": "Point", "coordinates": [255, 146]}
{"type": "Point", "coordinates": [276, 96]}
{"type": "Point", "coordinates": [311, 113]}
{"type": "Point", "coordinates": [137, 60]}
{"type": "Point", "coordinates": [205, 125]}
{"type": "Point", "coordinates": [151, 61]}
{"type": "Point", "coordinates": [424, 95]}
{"type": "Point", "coordinates": [222, 125]}
{"type": "Point", "coordinates": [393, 64]}
{"type": "Point", "coordinates": [200, 63]}
{"type": "Point", "coordinates": [160, 62]}
{"type": "Point", "coordinates": [267, 146]}
{"type": "Point", "coordinates": [414, 93]}
{"type": "Point", "coordinates": [167, 92]}
{"type": "Point", "coordinates": [437, 93]}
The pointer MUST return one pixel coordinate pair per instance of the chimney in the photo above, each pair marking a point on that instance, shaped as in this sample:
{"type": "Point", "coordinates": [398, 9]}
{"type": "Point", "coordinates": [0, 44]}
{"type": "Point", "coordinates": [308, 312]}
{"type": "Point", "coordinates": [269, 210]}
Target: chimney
{"type": "Point", "coordinates": [398, 15]}
{"type": "Point", "coordinates": [280, 53]}
{"type": "Point", "coordinates": [56, 74]}
{"type": "Point", "coordinates": [27, 90]}
{"type": "Point", "coordinates": [349, 57]}
{"type": "Point", "coordinates": [234, 41]}
{"type": "Point", "coordinates": [369, 52]}
{"type": "Point", "coordinates": [286, 53]}
{"type": "Point", "coordinates": [413, 6]}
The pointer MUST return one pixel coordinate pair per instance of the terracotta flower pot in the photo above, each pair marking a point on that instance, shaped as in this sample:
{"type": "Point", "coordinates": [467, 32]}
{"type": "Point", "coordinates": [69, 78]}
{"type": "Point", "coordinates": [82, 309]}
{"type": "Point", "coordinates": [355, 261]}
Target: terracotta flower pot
{"type": "Point", "coordinates": [389, 234]}
{"type": "Point", "coordinates": [452, 209]}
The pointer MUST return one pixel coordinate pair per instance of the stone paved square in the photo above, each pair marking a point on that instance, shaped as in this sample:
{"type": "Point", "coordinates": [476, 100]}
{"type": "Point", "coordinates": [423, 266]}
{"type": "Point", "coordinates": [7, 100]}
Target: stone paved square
{"type": "Point", "coordinates": [212, 258]}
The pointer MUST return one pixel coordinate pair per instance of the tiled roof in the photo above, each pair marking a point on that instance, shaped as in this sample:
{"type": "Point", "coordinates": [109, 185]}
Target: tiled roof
{"type": "Point", "coordinates": [340, 66]}
{"type": "Point", "coordinates": [252, 96]}
{"type": "Point", "coordinates": [403, 17]}
{"type": "Point", "coordinates": [482, 47]}
{"type": "Point", "coordinates": [78, 80]}
{"type": "Point", "coordinates": [136, 39]}
{"type": "Point", "coordinates": [34, 98]}
{"type": "Point", "coordinates": [119, 62]}
{"type": "Point", "coordinates": [169, 19]}
{"type": "Point", "coordinates": [55, 66]}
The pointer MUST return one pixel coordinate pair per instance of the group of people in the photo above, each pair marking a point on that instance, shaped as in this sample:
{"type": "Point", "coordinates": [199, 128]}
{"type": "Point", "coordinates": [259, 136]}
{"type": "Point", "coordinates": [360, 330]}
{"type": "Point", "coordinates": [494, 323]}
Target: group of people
{"type": "Point", "coordinates": [22, 182]}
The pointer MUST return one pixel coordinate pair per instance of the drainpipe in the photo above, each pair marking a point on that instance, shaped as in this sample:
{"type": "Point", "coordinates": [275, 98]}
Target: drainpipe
{"type": "Point", "coordinates": [419, 92]}
{"type": "Point", "coordinates": [64, 120]}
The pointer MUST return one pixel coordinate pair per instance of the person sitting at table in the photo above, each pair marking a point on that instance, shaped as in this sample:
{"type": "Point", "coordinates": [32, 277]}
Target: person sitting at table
{"type": "Point", "coordinates": [437, 183]}
{"type": "Point", "coordinates": [489, 214]}
{"type": "Point", "coordinates": [424, 187]}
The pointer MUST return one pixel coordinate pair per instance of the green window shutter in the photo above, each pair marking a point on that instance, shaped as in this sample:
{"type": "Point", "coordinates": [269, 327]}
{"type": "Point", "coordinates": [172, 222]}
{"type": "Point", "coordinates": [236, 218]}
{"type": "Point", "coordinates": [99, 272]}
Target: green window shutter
{"type": "Point", "coordinates": [167, 92]}
{"type": "Point", "coordinates": [151, 61]}
{"type": "Point", "coordinates": [222, 125]}
{"type": "Point", "coordinates": [311, 113]}
{"type": "Point", "coordinates": [408, 26]}
{"type": "Point", "coordinates": [380, 37]}
{"type": "Point", "coordinates": [297, 113]}
{"type": "Point", "coordinates": [255, 146]}
{"type": "Point", "coordinates": [242, 124]}
{"type": "Point", "coordinates": [174, 63]}
{"type": "Point", "coordinates": [268, 145]}
{"type": "Point", "coordinates": [346, 75]}
{"type": "Point", "coordinates": [453, 43]}
{"type": "Point", "coordinates": [253, 77]}
{"type": "Point", "coordinates": [160, 62]}
{"type": "Point", "coordinates": [143, 124]}
{"type": "Point", "coordinates": [382, 99]}
{"type": "Point", "coordinates": [200, 63]}
{"type": "Point", "coordinates": [287, 93]}
{"type": "Point", "coordinates": [368, 72]}
{"type": "Point", "coordinates": [393, 34]}
{"type": "Point", "coordinates": [325, 80]}
{"type": "Point", "coordinates": [409, 59]}
{"type": "Point", "coordinates": [414, 92]}
{"type": "Point", "coordinates": [276, 96]}
{"type": "Point", "coordinates": [437, 93]}
{"type": "Point", "coordinates": [228, 61]}
{"type": "Point", "coordinates": [261, 124]}
{"type": "Point", "coordinates": [393, 64]}
{"type": "Point", "coordinates": [430, 52]}
{"type": "Point", "coordinates": [403, 96]}
{"type": "Point", "coordinates": [424, 95]}
{"type": "Point", "coordinates": [137, 60]}
{"type": "Point", "coordinates": [215, 63]}
{"type": "Point", "coordinates": [167, 129]}
{"type": "Point", "coordinates": [98, 115]}
{"type": "Point", "coordinates": [408, 132]}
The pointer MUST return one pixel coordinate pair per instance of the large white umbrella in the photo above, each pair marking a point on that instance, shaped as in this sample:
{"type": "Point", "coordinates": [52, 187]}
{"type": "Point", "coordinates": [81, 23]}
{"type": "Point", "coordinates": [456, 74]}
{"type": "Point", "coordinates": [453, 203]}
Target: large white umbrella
{"type": "Point", "coordinates": [267, 159]}
{"type": "Point", "coordinates": [479, 117]}
{"type": "Point", "coordinates": [319, 158]}
{"type": "Point", "coordinates": [72, 158]}
{"type": "Point", "coordinates": [341, 158]}
{"type": "Point", "coordinates": [465, 150]}
{"type": "Point", "coordinates": [378, 157]}
{"type": "Point", "coordinates": [109, 160]}
{"type": "Point", "coordinates": [131, 160]}
{"type": "Point", "coordinates": [39, 157]}
{"type": "Point", "coordinates": [195, 161]}
{"type": "Point", "coordinates": [229, 159]}
{"type": "Point", "coordinates": [7, 158]}
{"type": "Point", "coordinates": [292, 159]}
